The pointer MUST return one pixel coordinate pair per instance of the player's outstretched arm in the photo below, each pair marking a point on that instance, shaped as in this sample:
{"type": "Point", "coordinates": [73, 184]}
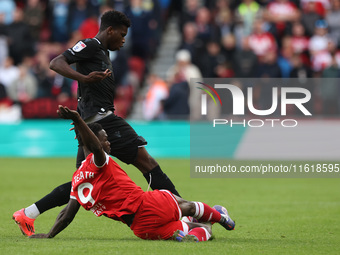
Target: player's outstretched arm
{"type": "Point", "coordinates": [89, 139]}
{"type": "Point", "coordinates": [60, 65]}
{"type": "Point", "coordinates": [64, 218]}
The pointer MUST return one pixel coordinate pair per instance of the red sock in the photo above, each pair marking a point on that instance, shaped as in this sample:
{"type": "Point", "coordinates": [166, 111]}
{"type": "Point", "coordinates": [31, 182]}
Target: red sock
{"type": "Point", "coordinates": [201, 233]}
{"type": "Point", "coordinates": [204, 213]}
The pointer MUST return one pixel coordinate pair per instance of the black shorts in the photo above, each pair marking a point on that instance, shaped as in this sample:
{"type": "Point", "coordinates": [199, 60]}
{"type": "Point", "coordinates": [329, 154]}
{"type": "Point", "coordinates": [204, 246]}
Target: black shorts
{"type": "Point", "coordinates": [122, 137]}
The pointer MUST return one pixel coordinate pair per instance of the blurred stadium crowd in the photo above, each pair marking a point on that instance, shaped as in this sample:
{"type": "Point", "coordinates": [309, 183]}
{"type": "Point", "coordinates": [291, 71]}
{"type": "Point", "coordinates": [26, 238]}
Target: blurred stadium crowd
{"type": "Point", "coordinates": [219, 39]}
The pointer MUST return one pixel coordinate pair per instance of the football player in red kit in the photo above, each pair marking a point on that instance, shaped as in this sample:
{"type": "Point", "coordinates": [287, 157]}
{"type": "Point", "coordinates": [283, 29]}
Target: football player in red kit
{"type": "Point", "coordinates": [101, 186]}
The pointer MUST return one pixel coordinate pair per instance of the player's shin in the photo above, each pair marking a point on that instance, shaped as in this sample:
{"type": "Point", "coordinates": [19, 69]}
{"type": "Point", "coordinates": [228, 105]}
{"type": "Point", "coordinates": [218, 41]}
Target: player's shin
{"type": "Point", "coordinates": [204, 213]}
{"type": "Point", "coordinates": [159, 180]}
{"type": "Point", "coordinates": [58, 197]}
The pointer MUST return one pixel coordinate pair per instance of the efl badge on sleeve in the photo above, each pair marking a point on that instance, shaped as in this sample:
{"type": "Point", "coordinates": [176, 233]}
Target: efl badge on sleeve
{"type": "Point", "coordinates": [79, 46]}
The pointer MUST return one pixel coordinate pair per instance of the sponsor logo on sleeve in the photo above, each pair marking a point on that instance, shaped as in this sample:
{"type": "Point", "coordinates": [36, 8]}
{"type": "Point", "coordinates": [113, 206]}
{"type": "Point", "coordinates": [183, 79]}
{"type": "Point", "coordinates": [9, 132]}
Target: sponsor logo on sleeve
{"type": "Point", "coordinates": [79, 46]}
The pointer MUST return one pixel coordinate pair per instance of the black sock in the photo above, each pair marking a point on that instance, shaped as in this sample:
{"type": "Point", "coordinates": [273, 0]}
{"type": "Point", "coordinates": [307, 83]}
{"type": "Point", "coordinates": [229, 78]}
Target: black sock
{"type": "Point", "coordinates": [160, 180]}
{"type": "Point", "coordinates": [58, 197]}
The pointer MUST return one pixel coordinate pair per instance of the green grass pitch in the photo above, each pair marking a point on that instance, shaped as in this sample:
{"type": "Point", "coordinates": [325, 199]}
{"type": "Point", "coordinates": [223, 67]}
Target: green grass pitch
{"type": "Point", "coordinates": [273, 216]}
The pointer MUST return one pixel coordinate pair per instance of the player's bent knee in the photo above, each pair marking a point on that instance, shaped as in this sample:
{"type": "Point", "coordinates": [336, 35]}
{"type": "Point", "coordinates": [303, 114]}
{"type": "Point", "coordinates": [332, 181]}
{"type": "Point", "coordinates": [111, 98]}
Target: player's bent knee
{"type": "Point", "coordinates": [61, 194]}
{"type": "Point", "coordinates": [191, 207]}
{"type": "Point", "coordinates": [188, 208]}
{"type": "Point", "coordinates": [193, 225]}
{"type": "Point", "coordinates": [208, 228]}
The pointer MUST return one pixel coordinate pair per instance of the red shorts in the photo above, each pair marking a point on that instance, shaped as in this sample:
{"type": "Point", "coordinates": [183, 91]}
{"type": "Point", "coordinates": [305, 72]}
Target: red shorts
{"type": "Point", "coordinates": [158, 217]}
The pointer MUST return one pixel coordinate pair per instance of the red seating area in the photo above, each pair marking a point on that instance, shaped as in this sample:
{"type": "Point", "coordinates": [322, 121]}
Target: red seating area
{"type": "Point", "coordinates": [43, 108]}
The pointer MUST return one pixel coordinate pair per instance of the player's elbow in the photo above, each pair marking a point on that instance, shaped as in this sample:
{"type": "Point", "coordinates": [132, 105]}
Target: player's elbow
{"type": "Point", "coordinates": [57, 62]}
{"type": "Point", "coordinates": [53, 64]}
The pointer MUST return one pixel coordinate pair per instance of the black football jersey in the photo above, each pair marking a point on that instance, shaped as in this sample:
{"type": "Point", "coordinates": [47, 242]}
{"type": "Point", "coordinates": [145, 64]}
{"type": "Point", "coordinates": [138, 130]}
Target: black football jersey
{"type": "Point", "coordinates": [89, 55]}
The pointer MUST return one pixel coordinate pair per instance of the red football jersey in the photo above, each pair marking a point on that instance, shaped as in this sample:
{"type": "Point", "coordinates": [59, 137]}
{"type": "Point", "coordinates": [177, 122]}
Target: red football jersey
{"type": "Point", "coordinates": [280, 9]}
{"type": "Point", "coordinates": [262, 43]}
{"type": "Point", "coordinates": [105, 190]}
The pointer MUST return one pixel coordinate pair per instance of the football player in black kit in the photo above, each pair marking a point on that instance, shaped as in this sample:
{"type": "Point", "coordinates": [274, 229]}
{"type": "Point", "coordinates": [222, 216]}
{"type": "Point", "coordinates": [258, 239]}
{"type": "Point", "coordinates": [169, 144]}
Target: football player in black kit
{"type": "Point", "coordinates": [96, 90]}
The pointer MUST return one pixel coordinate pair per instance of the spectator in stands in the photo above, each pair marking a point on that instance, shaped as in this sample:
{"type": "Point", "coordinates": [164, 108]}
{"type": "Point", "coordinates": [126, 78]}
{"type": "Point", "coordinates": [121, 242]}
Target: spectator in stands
{"type": "Point", "coordinates": [21, 43]}
{"type": "Point", "coordinates": [319, 46]}
{"type": "Point", "coordinates": [337, 56]}
{"type": "Point", "coordinates": [155, 25]}
{"type": "Point", "coordinates": [165, 6]}
{"type": "Point", "coordinates": [3, 49]}
{"type": "Point", "coordinates": [8, 111]}
{"type": "Point", "coordinates": [50, 84]}
{"type": "Point", "coordinates": [42, 71]}
{"type": "Point", "coordinates": [45, 82]}
{"type": "Point", "coordinates": [89, 27]}
{"type": "Point", "coordinates": [118, 5]}
{"type": "Point", "coordinates": [245, 61]}
{"type": "Point", "coordinates": [59, 13]}
{"type": "Point", "coordinates": [329, 89]}
{"type": "Point", "coordinates": [189, 12]}
{"type": "Point", "coordinates": [267, 68]}
{"type": "Point", "coordinates": [7, 8]}
{"type": "Point", "coordinates": [183, 64]}
{"type": "Point", "coordinates": [285, 55]}
{"type": "Point", "coordinates": [8, 72]}
{"type": "Point", "coordinates": [24, 88]}
{"type": "Point", "coordinates": [3, 93]}
{"type": "Point", "coordinates": [34, 17]}
{"type": "Point", "coordinates": [299, 41]}
{"type": "Point", "coordinates": [228, 46]}
{"type": "Point", "coordinates": [333, 20]}
{"type": "Point", "coordinates": [309, 17]}
{"type": "Point", "coordinates": [245, 15]}
{"type": "Point", "coordinates": [140, 30]}
{"type": "Point", "coordinates": [186, 69]}
{"type": "Point", "coordinates": [152, 105]}
{"type": "Point", "coordinates": [3, 40]}
{"type": "Point", "coordinates": [261, 41]}
{"type": "Point", "coordinates": [119, 60]}
{"type": "Point", "coordinates": [281, 13]}
{"type": "Point", "coordinates": [299, 68]}
{"type": "Point", "coordinates": [320, 39]}
{"type": "Point", "coordinates": [225, 62]}
{"type": "Point", "coordinates": [206, 29]}
{"type": "Point", "coordinates": [61, 87]}
{"type": "Point", "coordinates": [211, 59]}
{"type": "Point", "coordinates": [321, 6]}
{"type": "Point", "coordinates": [302, 72]}
{"type": "Point", "coordinates": [191, 42]}
{"type": "Point", "coordinates": [176, 105]}
{"type": "Point", "coordinates": [223, 17]}
{"type": "Point", "coordinates": [79, 11]}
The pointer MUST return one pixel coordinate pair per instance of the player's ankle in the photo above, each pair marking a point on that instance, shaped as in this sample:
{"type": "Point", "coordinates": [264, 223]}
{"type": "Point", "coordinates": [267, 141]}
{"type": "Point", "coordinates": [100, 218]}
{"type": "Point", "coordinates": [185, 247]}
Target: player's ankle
{"type": "Point", "coordinates": [32, 211]}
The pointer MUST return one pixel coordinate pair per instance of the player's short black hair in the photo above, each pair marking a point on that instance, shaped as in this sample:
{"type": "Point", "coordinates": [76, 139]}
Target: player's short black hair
{"type": "Point", "coordinates": [95, 127]}
{"type": "Point", "coordinates": [114, 19]}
